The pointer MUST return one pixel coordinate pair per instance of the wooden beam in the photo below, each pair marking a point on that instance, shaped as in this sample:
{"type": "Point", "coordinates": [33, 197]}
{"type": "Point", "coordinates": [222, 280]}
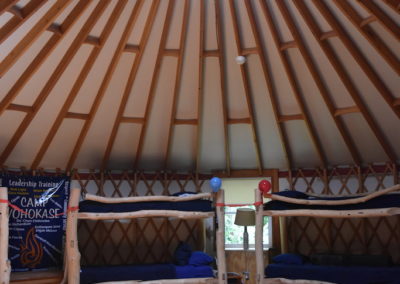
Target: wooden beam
{"type": "Point", "coordinates": [287, 45]}
{"type": "Point", "coordinates": [27, 109]}
{"type": "Point", "coordinates": [75, 115]}
{"type": "Point", "coordinates": [246, 84]}
{"type": "Point", "coordinates": [370, 34]}
{"type": "Point", "coordinates": [346, 110]}
{"type": "Point", "coordinates": [345, 78]}
{"type": "Point", "coordinates": [222, 81]}
{"type": "Point", "coordinates": [93, 40]}
{"type": "Point", "coordinates": [71, 244]}
{"type": "Point", "coordinates": [130, 81]}
{"type": "Point", "coordinates": [6, 4]}
{"type": "Point", "coordinates": [186, 121]}
{"type": "Point", "coordinates": [55, 28]}
{"type": "Point", "coordinates": [211, 53]}
{"type": "Point", "coordinates": [284, 118]}
{"type": "Point", "coordinates": [394, 4]}
{"type": "Point", "coordinates": [326, 35]}
{"type": "Point", "coordinates": [32, 35]}
{"type": "Point", "coordinates": [43, 54]}
{"type": "Point", "coordinates": [105, 82]}
{"type": "Point", "coordinates": [293, 83]}
{"type": "Point", "coordinates": [245, 173]}
{"type": "Point", "coordinates": [396, 102]}
{"type": "Point", "coordinates": [154, 81]}
{"type": "Point", "coordinates": [131, 48]}
{"type": "Point", "coordinates": [16, 11]}
{"type": "Point", "coordinates": [171, 52]}
{"type": "Point", "coordinates": [366, 21]}
{"type": "Point", "coordinates": [248, 51]}
{"type": "Point", "coordinates": [178, 78]}
{"type": "Point", "coordinates": [138, 120]}
{"type": "Point", "coordinates": [357, 54]}
{"type": "Point", "coordinates": [244, 120]}
{"type": "Point", "coordinates": [390, 25]}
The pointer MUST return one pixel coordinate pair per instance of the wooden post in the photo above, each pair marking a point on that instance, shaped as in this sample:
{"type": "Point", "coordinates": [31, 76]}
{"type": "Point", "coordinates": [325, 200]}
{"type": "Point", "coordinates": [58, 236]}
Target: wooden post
{"type": "Point", "coordinates": [5, 267]}
{"type": "Point", "coordinates": [282, 229]}
{"type": "Point", "coordinates": [221, 262]}
{"type": "Point", "coordinates": [259, 247]}
{"type": "Point", "coordinates": [73, 255]}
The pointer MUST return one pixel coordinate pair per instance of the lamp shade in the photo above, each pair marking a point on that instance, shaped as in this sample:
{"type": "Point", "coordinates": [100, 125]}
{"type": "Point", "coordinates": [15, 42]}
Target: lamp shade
{"type": "Point", "coordinates": [245, 217]}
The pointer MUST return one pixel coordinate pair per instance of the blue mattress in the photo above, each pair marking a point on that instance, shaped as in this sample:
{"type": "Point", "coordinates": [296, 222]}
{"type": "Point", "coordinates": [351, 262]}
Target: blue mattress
{"type": "Point", "coordinates": [142, 272]}
{"type": "Point", "coordinates": [98, 207]}
{"type": "Point", "coordinates": [335, 274]}
{"type": "Point", "coordinates": [383, 201]}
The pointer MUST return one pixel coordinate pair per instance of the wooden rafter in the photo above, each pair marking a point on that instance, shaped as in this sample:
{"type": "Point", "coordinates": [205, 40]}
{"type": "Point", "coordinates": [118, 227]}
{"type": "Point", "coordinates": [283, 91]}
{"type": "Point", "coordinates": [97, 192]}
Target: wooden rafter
{"type": "Point", "coordinates": [246, 84]}
{"type": "Point", "coordinates": [17, 21]}
{"type": "Point", "coordinates": [369, 34]}
{"type": "Point", "coordinates": [273, 96]}
{"type": "Point", "coordinates": [357, 55]}
{"type": "Point", "coordinates": [394, 4]}
{"type": "Point", "coordinates": [390, 25]}
{"type": "Point", "coordinates": [32, 35]}
{"type": "Point", "coordinates": [56, 75]}
{"type": "Point", "coordinates": [223, 90]}
{"type": "Point", "coordinates": [347, 82]}
{"type": "Point", "coordinates": [6, 4]}
{"type": "Point", "coordinates": [131, 79]}
{"type": "Point", "coordinates": [154, 80]}
{"type": "Point", "coordinates": [178, 77]}
{"type": "Point", "coordinates": [105, 82]}
{"type": "Point", "coordinates": [63, 113]}
{"type": "Point", "coordinates": [294, 84]}
{"type": "Point", "coordinates": [52, 43]}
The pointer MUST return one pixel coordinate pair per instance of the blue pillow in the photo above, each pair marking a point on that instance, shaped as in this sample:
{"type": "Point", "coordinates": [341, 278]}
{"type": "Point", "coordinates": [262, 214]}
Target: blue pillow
{"type": "Point", "coordinates": [200, 258]}
{"type": "Point", "coordinates": [182, 254]}
{"type": "Point", "coordinates": [289, 258]}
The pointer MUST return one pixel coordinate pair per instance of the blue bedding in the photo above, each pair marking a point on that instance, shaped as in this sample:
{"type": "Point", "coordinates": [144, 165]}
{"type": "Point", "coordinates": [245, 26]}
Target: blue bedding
{"type": "Point", "coordinates": [142, 272]}
{"type": "Point", "coordinates": [335, 274]}
{"type": "Point", "coordinates": [98, 207]}
{"type": "Point", "coordinates": [383, 201]}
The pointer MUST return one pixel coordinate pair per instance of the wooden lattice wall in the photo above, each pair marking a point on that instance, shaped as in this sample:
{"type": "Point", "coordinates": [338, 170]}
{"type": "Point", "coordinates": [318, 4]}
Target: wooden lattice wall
{"type": "Point", "coordinates": [351, 236]}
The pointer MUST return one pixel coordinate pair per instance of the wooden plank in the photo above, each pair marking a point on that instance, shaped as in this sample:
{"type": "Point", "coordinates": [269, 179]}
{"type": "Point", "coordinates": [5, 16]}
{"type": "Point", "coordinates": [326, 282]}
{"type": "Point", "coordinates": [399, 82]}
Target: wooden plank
{"type": "Point", "coordinates": [367, 213]}
{"type": "Point", "coordinates": [294, 84]}
{"type": "Point", "coordinates": [27, 109]}
{"type": "Point", "coordinates": [394, 4]}
{"type": "Point", "coordinates": [320, 82]}
{"type": "Point", "coordinates": [178, 78]}
{"type": "Point", "coordinates": [186, 121]}
{"type": "Point", "coordinates": [16, 11]}
{"type": "Point", "coordinates": [357, 54]}
{"type": "Point", "coordinates": [373, 38]}
{"type": "Point", "coordinates": [220, 237]}
{"type": "Point", "coordinates": [244, 69]}
{"type": "Point", "coordinates": [105, 82]}
{"type": "Point", "coordinates": [388, 23]}
{"type": "Point", "coordinates": [71, 244]}
{"type": "Point", "coordinates": [284, 118]}
{"type": "Point", "coordinates": [171, 52]}
{"type": "Point", "coordinates": [6, 4]}
{"type": "Point", "coordinates": [139, 120]}
{"type": "Point", "coordinates": [74, 115]}
{"type": "Point", "coordinates": [251, 50]}
{"type": "Point", "coordinates": [346, 110]}
{"type": "Point", "coordinates": [55, 28]}
{"type": "Point", "coordinates": [70, 53]}
{"type": "Point", "coordinates": [129, 84]}
{"type": "Point", "coordinates": [259, 247]}
{"type": "Point", "coordinates": [326, 35]}
{"type": "Point", "coordinates": [5, 266]}
{"type": "Point", "coordinates": [131, 48]}
{"type": "Point", "coordinates": [345, 77]}
{"type": "Point", "coordinates": [93, 40]}
{"type": "Point", "coordinates": [222, 80]}
{"type": "Point", "coordinates": [396, 102]}
{"type": "Point", "coordinates": [366, 21]}
{"type": "Point", "coordinates": [32, 35]}
{"type": "Point", "coordinates": [43, 54]}
{"type": "Point", "coordinates": [244, 120]}
{"type": "Point", "coordinates": [287, 45]}
{"type": "Point", "coordinates": [211, 53]}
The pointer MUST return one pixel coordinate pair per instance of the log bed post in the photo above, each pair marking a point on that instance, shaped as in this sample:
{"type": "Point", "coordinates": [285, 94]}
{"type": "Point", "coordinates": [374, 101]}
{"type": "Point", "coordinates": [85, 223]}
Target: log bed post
{"type": "Point", "coordinates": [221, 263]}
{"type": "Point", "coordinates": [73, 255]}
{"type": "Point", "coordinates": [259, 247]}
{"type": "Point", "coordinates": [283, 234]}
{"type": "Point", "coordinates": [5, 267]}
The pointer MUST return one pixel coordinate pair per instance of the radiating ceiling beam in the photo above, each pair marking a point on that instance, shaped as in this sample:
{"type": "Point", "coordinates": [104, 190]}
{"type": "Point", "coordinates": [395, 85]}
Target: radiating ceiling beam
{"type": "Point", "coordinates": [223, 83]}
{"type": "Point", "coordinates": [87, 67]}
{"type": "Point", "coordinates": [43, 54]}
{"type": "Point", "coordinates": [345, 78]}
{"type": "Point", "coordinates": [16, 21]}
{"type": "Point", "coordinates": [319, 81]}
{"type": "Point", "coordinates": [6, 4]}
{"type": "Point", "coordinates": [246, 84]}
{"type": "Point", "coordinates": [177, 84]}
{"type": "Point", "coordinates": [394, 4]}
{"type": "Point", "coordinates": [105, 82]}
{"type": "Point", "coordinates": [357, 55]}
{"type": "Point", "coordinates": [369, 34]}
{"type": "Point", "coordinates": [294, 83]}
{"type": "Point", "coordinates": [131, 78]}
{"type": "Point", "coordinates": [51, 82]}
{"type": "Point", "coordinates": [32, 35]}
{"type": "Point", "coordinates": [155, 78]}
{"type": "Point", "coordinates": [272, 92]}
{"type": "Point", "coordinates": [390, 25]}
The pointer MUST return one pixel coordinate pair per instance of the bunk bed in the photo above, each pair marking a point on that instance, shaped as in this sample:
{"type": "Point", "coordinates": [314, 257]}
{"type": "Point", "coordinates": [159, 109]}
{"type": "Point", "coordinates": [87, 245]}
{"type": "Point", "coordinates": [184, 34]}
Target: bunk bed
{"type": "Point", "coordinates": [292, 268]}
{"type": "Point", "coordinates": [196, 206]}
{"type": "Point", "coordinates": [5, 267]}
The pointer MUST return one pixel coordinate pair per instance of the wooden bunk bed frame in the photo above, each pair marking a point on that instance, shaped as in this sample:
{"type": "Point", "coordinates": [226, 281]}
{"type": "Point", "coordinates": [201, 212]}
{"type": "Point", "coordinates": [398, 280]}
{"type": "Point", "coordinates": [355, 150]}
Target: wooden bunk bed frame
{"type": "Point", "coordinates": [260, 213]}
{"type": "Point", "coordinates": [5, 267]}
{"type": "Point", "coordinates": [72, 269]}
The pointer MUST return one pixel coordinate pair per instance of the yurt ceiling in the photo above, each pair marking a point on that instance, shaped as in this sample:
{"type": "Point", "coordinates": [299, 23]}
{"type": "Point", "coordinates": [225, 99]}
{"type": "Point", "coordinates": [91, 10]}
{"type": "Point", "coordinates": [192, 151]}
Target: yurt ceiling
{"type": "Point", "coordinates": [156, 85]}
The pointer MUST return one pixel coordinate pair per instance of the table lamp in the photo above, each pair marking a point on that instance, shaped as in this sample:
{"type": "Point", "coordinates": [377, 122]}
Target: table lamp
{"type": "Point", "coordinates": [245, 217]}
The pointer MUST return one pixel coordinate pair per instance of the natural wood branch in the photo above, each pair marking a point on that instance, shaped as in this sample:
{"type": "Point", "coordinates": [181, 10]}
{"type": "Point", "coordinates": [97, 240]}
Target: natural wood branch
{"type": "Point", "coordinates": [366, 213]}
{"type": "Point", "coordinates": [146, 198]}
{"type": "Point", "coordinates": [72, 250]}
{"type": "Point", "coordinates": [168, 281]}
{"type": "Point", "coordinates": [145, 214]}
{"type": "Point", "coordinates": [5, 268]}
{"type": "Point", "coordinates": [259, 237]}
{"type": "Point", "coordinates": [220, 242]}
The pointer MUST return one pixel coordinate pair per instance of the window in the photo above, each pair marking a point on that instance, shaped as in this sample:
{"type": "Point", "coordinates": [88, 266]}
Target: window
{"type": "Point", "coordinates": [234, 233]}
